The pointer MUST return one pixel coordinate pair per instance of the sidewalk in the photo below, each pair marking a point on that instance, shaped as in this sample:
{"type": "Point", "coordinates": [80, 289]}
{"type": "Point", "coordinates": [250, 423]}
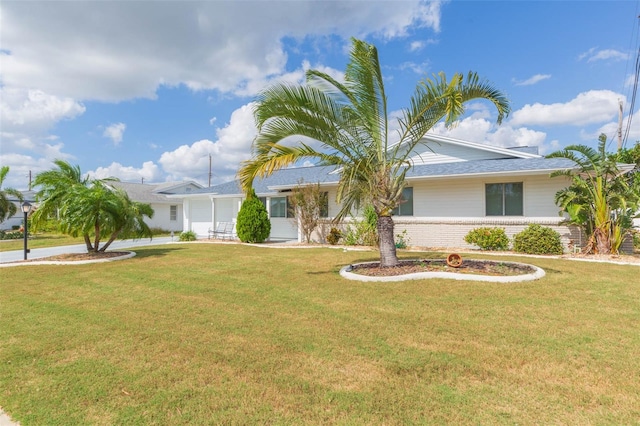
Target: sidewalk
{"type": "Point", "coordinates": [17, 255]}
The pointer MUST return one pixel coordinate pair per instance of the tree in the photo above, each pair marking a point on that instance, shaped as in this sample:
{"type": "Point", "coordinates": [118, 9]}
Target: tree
{"type": "Point", "coordinates": [602, 199]}
{"type": "Point", "coordinates": [253, 225]}
{"type": "Point", "coordinates": [350, 121]}
{"type": "Point", "coordinates": [308, 202]}
{"type": "Point", "coordinates": [7, 207]}
{"type": "Point", "coordinates": [88, 207]}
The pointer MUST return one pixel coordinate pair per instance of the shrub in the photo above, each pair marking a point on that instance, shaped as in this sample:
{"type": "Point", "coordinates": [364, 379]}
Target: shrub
{"type": "Point", "coordinates": [402, 240]}
{"type": "Point", "coordinates": [636, 240]}
{"type": "Point", "coordinates": [11, 235]}
{"type": "Point", "coordinates": [538, 239]}
{"type": "Point", "coordinates": [364, 232]}
{"type": "Point", "coordinates": [188, 236]}
{"type": "Point", "coordinates": [488, 238]}
{"type": "Point", "coordinates": [334, 236]}
{"type": "Point", "coordinates": [253, 225]}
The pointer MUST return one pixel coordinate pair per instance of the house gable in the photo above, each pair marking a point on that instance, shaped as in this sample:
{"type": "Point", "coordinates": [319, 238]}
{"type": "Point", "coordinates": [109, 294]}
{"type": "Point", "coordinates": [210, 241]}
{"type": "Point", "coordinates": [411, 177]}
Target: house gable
{"type": "Point", "coordinates": [437, 149]}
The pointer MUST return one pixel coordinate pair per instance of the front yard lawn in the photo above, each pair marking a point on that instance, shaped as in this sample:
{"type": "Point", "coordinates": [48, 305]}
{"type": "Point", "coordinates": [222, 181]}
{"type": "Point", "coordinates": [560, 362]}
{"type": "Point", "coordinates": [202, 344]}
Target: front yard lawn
{"type": "Point", "coordinates": [233, 334]}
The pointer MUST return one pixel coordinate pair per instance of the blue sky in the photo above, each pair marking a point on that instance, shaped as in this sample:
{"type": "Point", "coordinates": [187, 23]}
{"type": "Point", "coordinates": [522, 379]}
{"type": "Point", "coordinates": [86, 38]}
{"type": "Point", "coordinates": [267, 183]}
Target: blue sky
{"type": "Point", "coordinates": [149, 89]}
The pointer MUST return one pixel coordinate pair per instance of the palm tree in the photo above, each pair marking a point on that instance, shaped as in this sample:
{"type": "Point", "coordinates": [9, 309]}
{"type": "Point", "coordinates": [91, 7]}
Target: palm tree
{"type": "Point", "coordinates": [350, 120]}
{"type": "Point", "coordinates": [601, 199]}
{"type": "Point", "coordinates": [126, 218]}
{"type": "Point", "coordinates": [7, 207]}
{"type": "Point", "coordinates": [88, 207]}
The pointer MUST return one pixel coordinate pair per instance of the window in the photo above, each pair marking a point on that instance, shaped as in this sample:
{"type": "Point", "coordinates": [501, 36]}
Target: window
{"type": "Point", "coordinates": [279, 207]}
{"type": "Point", "coordinates": [173, 212]}
{"type": "Point", "coordinates": [504, 199]}
{"type": "Point", "coordinates": [324, 204]}
{"type": "Point", "coordinates": [405, 208]}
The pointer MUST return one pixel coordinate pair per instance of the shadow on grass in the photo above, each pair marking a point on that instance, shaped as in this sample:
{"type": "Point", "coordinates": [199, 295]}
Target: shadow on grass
{"type": "Point", "coordinates": [155, 252]}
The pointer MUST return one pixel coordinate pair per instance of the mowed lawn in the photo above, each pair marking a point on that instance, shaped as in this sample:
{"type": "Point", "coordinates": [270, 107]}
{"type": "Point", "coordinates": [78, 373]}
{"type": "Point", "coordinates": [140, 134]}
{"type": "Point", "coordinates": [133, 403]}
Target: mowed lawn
{"type": "Point", "coordinates": [233, 334]}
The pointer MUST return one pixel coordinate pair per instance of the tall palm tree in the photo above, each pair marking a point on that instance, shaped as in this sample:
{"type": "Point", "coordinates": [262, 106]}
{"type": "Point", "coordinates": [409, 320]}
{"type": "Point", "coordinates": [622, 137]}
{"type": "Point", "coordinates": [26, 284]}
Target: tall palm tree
{"type": "Point", "coordinates": [601, 199]}
{"type": "Point", "coordinates": [350, 120]}
{"type": "Point", "coordinates": [7, 207]}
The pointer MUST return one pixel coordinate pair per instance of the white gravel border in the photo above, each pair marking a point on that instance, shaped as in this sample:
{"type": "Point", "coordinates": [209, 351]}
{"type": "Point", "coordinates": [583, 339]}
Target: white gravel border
{"type": "Point", "coordinates": [537, 274]}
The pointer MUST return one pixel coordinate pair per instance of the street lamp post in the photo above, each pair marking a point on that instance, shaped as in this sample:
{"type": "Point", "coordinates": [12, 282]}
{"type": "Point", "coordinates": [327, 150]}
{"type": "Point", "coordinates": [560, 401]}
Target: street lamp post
{"type": "Point", "coordinates": [26, 208]}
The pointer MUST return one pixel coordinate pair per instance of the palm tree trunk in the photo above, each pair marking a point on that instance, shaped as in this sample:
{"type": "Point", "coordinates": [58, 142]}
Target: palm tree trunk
{"type": "Point", "coordinates": [111, 239]}
{"type": "Point", "coordinates": [87, 241]}
{"type": "Point", "coordinates": [388, 256]}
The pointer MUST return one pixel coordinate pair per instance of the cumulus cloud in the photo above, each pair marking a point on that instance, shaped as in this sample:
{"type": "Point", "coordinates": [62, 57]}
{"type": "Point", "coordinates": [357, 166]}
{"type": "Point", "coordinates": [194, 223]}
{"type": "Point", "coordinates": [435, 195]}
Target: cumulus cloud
{"type": "Point", "coordinates": [149, 171]}
{"type": "Point", "coordinates": [592, 107]}
{"type": "Point", "coordinates": [129, 49]}
{"type": "Point", "coordinates": [233, 145]}
{"type": "Point", "coordinates": [532, 80]}
{"type": "Point", "coordinates": [481, 128]}
{"type": "Point", "coordinates": [611, 130]}
{"type": "Point", "coordinates": [35, 109]}
{"type": "Point", "coordinates": [115, 132]}
{"type": "Point", "coordinates": [594, 54]}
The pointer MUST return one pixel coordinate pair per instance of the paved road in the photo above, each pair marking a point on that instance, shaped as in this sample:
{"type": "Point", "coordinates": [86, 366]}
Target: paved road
{"type": "Point", "coordinates": [37, 253]}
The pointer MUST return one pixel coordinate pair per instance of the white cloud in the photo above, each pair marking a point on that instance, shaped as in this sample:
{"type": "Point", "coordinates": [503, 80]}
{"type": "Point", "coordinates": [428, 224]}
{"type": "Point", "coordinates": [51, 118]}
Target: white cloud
{"type": "Point", "coordinates": [481, 129]}
{"type": "Point", "coordinates": [233, 145]}
{"type": "Point", "coordinates": [21, 167]}
{"type": "Point", "coordinates": [149, 171]}
{"type": "Point", "coordinates": [611, 130]}
{"type": "Point", "coordinates": [532, 80]}
{"type": "Point", "coordinates": [34, 109]}
{"type": "Point", "coordinates": [594, 54]}
{"type": "Point", "coordinates": [416, 45]}
{"type": "Point", "coordinates": [115, 132]}
{"type": "Point", "coordinates": [419, 69]}
{"type": "Point", "coordinates": [205, 45]}
{"type": "Point", "coordinates": [592, 107]}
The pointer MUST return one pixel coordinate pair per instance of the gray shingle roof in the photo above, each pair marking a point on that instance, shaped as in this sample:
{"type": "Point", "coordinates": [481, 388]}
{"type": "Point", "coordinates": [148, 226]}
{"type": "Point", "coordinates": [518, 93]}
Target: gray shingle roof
{"type": "Point", "coordinates": [286, 177]}
{"type": "Point", "coordinates": [507, 165]}
{"type": "Point", "coordinates": [291, 177]}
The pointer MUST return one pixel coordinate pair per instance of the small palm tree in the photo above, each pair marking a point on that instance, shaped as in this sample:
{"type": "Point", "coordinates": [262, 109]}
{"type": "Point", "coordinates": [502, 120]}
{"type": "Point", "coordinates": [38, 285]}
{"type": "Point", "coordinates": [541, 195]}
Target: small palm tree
{"type": "Point", "coordinates": [7, 207]}
{"type": "Point", "coordinates": [88, 207]}
{"type": "Point", "coordinates": [350, 120]}
{"type": "Point", "coordinates": [126, 218]}
{"type": "Point", "coordinates": [601, 198]}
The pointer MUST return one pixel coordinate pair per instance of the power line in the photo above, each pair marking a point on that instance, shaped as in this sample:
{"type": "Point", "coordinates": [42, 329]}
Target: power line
{"type": "Point", "coordinates": [634, 90]}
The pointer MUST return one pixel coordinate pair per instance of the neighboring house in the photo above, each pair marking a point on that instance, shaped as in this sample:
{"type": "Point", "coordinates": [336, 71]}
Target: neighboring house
{"type": "Point", "coordinates": [454, 187]}
{"type": "Point", "coordinates": [168, 214]}
{"type": "Point", "coordinates": [16, 221]}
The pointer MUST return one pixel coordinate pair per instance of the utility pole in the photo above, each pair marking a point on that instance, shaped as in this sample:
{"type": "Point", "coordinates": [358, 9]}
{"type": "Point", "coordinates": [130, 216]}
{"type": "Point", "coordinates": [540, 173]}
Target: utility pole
{"type": "Point", "coordinates": [619, 125]}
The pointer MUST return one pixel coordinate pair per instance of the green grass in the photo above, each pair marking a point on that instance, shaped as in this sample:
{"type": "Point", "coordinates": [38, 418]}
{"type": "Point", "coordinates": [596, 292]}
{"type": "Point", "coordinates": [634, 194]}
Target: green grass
{"type": "Point", "coordinates": [232, 334]}
{"type": "Point", "coordinates": [40, 241]}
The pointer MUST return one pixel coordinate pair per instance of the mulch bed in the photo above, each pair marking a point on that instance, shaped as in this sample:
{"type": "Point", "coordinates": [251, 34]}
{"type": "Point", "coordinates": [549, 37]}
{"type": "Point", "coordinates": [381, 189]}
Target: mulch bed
{"type": "Point", "coordinates": [75, 257]}
{"type": "Point", "coordinates": [480, 267]}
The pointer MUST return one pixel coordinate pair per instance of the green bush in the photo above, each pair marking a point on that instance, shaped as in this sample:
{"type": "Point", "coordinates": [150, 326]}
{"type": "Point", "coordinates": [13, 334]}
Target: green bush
{"type": "Point", "coordinates": [636, 240]}
{"type": "Point", "coordinates": [188, 236]}
{"type": "Point", "coordinates": [402, 240]}
{"type": "Point", "coordinates": [253, 225]}
{"type": "Point", "coordinates": [334, 236]}
{"type": "Point", "coordinates": [11, 235]}
{"type": "Point", "coordinates": [538, 239]}
{"type": "Point", "coordinates": [488, 238]}
{"type": "Point", "coordinates": [364, 232]}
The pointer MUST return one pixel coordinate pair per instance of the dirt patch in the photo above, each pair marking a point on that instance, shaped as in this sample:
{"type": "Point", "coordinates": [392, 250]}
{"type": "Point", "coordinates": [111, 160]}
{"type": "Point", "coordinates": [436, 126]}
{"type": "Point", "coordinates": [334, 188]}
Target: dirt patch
{"type": "Point", "coordinates": [478, 267]}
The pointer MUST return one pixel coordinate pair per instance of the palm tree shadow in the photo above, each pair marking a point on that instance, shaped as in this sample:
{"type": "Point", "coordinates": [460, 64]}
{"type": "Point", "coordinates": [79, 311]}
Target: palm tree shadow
{"type": "Point", "coordinates": [142, 252]}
